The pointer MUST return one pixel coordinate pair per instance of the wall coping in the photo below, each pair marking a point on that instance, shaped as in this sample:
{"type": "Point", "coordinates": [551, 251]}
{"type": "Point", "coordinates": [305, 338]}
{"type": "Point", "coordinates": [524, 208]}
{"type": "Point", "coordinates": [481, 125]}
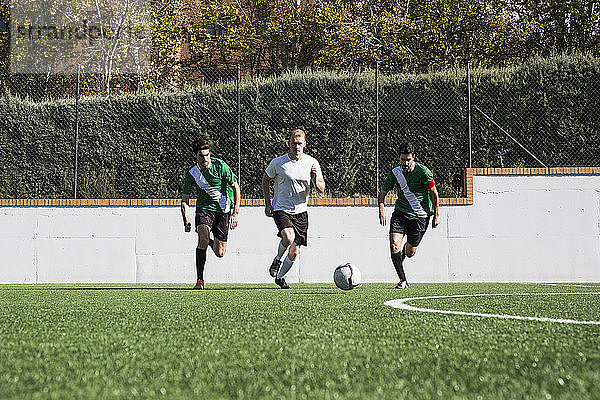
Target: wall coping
{"type": "Point", "coordinates": [313, 201]}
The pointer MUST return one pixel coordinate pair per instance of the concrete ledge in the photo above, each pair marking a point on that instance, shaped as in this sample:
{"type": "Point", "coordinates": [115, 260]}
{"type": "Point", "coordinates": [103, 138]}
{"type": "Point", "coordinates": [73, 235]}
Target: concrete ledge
{"type": "Point", "coordinates": [516, 225]}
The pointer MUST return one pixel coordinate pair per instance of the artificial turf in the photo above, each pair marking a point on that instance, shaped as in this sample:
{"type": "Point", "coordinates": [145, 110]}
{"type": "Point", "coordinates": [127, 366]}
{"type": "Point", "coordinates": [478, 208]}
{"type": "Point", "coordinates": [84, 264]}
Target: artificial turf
{"type": "Point", "coordinates": [313, 341]}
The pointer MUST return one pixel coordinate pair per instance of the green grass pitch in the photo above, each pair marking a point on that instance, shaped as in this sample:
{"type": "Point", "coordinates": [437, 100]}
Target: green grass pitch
{"type": "Point", "coordinates": [314, 341]}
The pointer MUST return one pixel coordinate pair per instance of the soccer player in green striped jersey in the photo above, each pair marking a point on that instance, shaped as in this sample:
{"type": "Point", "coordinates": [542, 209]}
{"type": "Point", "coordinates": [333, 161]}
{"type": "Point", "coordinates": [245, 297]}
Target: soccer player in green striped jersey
{"type": "Point", "coordinates": [217, 204]}
{"type": "Point", "coordinates": [417, 202]}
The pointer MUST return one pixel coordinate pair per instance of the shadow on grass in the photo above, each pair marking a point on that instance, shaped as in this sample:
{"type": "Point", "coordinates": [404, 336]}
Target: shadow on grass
{"type": "Point", "coordinates": [210, 288]}
{"type": "Point", "coordinates": [30, 288]}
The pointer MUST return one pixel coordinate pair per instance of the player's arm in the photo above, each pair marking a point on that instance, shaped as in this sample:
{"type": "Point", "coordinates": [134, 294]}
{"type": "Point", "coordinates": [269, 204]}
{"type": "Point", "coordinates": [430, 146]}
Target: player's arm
{"type": "Point", "coordinates": [185, 205]}
{"type": "Point", "coordinates": [237, 195]}
{"type": "Point", "coordinates": [316, 177]}
{"type": "Point", "coordinates": [435, 201]}
{"type": "Point", "coordinates": [317, 180]}
{"type": "Point", "coordinates": [381, 202]}
{"type": "Point", "coordinates": [266, 188]}
{"type": "Point", "coordinates": [388, 185]}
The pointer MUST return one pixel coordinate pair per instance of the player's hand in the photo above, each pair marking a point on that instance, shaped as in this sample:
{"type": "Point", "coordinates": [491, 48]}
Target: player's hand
{"type": "Point", "coordinates": [313, 174]}
{"type": "Point", "coordinates": [382, 220]}
{"type": "Point", "coordinates": [268, 209]}
{"type": "Point", "coordinates": [233, 221]}
{"type": "Point", "coordinates": [187, 226]}
{"type": "Point", "coordinates": [435, 221]}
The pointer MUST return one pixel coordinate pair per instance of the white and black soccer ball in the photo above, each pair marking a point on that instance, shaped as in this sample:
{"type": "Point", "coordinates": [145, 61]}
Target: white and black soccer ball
{"type": "Point", "coordinates": [347, 276]}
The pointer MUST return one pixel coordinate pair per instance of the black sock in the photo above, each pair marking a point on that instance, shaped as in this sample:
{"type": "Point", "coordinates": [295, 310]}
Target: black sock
{"type": "Point", "coordinates": [200, 261]}
{"type": "Point", "coordinates": [211, 243]}
{"type": "Point", "coordinates": [397, 260]}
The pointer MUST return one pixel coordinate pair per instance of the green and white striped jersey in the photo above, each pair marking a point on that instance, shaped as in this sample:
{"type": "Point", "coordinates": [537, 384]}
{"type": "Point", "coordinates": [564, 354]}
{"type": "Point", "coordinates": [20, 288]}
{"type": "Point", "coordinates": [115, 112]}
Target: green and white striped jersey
{"type": "Point", "coordinates": [413, 189]}
{"type": "Point", "coordinates": [213, 186]}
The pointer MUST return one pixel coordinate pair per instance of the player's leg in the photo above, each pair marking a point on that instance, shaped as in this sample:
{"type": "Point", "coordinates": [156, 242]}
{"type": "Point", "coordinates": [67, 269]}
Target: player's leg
{"type": "Point", "coordinates": [220, 230]}
{"type": "Point", "coordinates": [276, 263]}
{"type": "Point", "coordinates": [288, 261]}
{"type": "Point", "coordinates": [416, 229]}
{"type": "Point", "coordinates": [203, 235]}
{"type": "Point", "coordinates": [286, 232]}
{"type": "Point", "coordinates": [299, 232]}
{"type": "Point", "coordinates": [408, 250]}
{"type": "Point", "coordinates": [204, 221]}
{"type": "Point", "coordinates": [219, 248]}
{"type": "Point", "coordinates": [396, 255]}
{"type": "Point", "coordinates": [287, 237]}
{"type": "Point", "coordinates": [281, 267]}
{"type": "Point", "coordinates": [397, 231]}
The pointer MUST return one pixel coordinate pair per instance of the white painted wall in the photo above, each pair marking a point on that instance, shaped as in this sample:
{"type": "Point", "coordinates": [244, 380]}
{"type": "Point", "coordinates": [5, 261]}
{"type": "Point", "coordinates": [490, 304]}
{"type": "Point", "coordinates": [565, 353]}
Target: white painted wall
{"type": "Point", "coordinates": [520, 228]}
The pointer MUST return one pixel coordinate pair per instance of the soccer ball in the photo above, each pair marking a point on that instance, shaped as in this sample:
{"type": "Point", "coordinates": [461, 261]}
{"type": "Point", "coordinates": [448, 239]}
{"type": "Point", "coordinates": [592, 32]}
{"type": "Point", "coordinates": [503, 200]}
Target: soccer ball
{"type": "Point", "coordinates": [346, 276]}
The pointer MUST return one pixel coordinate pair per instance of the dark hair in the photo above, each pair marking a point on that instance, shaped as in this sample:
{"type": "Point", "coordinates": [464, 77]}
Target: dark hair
{"type": "Point", "coordinates": [407, 148]}
{"type": "Point", "coordinates": [200, 144]}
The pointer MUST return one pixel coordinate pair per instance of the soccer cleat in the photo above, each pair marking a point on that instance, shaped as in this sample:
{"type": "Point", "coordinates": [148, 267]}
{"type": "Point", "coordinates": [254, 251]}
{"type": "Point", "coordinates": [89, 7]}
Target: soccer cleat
{"type": "Point", "coordinates": [199, 284]}
{"type": "Point", "coordinates": [401, 285]}
{"type": "Point", "coordinates": [281, 282]}
{"type": "Point", "coordinates": [274, 268]}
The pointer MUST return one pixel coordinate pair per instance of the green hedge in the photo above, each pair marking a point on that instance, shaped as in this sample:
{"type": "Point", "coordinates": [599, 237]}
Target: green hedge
{"type": "Point", "coordinates": [137, 146]}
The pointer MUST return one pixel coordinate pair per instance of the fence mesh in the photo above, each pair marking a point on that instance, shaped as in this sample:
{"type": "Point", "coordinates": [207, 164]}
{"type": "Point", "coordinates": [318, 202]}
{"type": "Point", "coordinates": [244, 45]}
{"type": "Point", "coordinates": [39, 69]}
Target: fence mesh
{"type": "Point", "coordinates": [516, 129]}
{"type": "Point", "coordinates": [503, 134]}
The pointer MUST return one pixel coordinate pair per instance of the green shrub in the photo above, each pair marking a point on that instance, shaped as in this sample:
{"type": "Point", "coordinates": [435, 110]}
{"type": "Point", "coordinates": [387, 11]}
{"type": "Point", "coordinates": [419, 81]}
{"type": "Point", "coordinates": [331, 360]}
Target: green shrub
{"type": "Point", "coordinates": [138, 146]}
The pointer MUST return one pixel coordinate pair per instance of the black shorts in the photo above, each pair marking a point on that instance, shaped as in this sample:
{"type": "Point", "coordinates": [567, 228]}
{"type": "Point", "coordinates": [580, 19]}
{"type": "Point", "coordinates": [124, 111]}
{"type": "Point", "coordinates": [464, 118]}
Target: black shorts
{"type": "Point", "coordinates": [413, 227]}
{"type": "Point", "coordinates": [217, 222]}
{"type": "Point", "coordinates": [297, 221]}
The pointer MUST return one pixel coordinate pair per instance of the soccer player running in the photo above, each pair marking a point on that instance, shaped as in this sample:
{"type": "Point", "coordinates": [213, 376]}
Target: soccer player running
{"type": "Point", "coordinates": [217, 204]}
{"type": "Point", "coordinates": [417, 201]}
{"type": "Point", "coordinates": [293, 174]}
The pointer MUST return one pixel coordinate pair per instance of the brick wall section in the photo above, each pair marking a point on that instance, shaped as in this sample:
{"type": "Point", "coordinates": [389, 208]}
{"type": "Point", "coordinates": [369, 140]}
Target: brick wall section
{"type": "Point", "coordinates": [352, 201]}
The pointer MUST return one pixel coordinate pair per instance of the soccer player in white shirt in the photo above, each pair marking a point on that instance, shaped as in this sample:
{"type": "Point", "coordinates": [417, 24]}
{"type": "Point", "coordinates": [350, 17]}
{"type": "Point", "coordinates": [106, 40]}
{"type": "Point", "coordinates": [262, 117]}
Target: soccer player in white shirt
{"type": "Point", "coordinates": [293, 174]}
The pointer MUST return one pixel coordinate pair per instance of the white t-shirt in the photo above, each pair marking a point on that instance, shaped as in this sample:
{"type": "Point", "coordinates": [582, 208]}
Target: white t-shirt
{"type": "Point", "coordinates": [292, 182]}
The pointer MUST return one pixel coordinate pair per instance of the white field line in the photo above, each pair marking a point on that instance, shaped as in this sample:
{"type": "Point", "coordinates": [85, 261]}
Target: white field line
{"type": "Point", "coordinates": [571, 285]}
{"type": "Point", "coordinates": [401, 304]}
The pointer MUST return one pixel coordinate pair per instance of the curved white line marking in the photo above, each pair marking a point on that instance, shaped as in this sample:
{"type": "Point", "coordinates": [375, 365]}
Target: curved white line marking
{"type": "Point", "coordinates": [400, 303]}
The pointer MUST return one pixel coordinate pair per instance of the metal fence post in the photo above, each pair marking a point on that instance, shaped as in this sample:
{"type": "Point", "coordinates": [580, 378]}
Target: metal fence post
{"type": "Point", "coordinates": [76, 132]}
{"type": "Point", "coordinates": [469, 113]}
{"type": "Point", "coordinates": [376, 127]}
{"type": "Point", "coordinates": [239, 126]}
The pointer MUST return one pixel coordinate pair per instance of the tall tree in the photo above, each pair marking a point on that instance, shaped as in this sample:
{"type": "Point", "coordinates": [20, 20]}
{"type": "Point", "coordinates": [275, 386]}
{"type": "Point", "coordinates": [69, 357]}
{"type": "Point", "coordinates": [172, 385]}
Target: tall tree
{"type": "Point", "coordinates": [559, 25]}
{"type": "Point", "coordinates": [418, 34]}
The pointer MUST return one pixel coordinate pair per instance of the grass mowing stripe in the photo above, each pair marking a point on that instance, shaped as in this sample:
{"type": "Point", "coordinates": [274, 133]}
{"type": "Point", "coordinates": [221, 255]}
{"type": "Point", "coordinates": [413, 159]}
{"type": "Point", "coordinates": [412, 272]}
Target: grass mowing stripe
{"type": "Point", "coordinates": [255, 341]}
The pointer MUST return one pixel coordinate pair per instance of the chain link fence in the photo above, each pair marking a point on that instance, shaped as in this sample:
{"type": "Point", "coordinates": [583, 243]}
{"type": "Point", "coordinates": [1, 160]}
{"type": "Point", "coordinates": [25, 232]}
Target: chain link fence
{"type": "Point", "coordinates": [85, 154]}
{"type": "Point", "coordinates": [516, 127]}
